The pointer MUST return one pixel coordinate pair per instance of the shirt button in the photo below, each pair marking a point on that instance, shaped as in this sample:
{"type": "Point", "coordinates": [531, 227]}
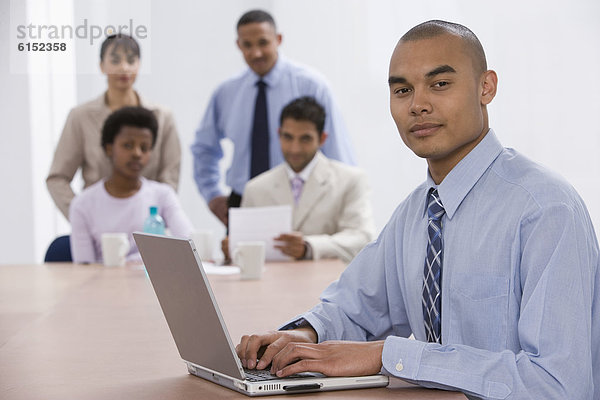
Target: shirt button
{"type": "Point", "coordinates": [399, 366]}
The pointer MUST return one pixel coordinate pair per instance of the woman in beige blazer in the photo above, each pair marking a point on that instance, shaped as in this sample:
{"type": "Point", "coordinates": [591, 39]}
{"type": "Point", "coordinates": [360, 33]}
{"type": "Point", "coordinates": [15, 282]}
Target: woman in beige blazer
{"type": "Point", "coordinates": [79, 144]}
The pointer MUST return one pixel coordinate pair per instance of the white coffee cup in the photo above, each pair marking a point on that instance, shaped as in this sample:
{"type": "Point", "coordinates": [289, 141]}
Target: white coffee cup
{"type": "Point", "coordinates": [250, 257]}
{"type": "Point", "coordinates": [203, 240]}
{"type": "Point", "coordinates": [114, 249]}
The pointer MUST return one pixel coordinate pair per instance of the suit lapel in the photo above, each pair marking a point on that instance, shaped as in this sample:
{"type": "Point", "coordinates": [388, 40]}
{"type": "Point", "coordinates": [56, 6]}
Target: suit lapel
{"type": "Point", "coordinates": [281, 192]}
{"type": "Point", "coordinates": [99, 112]}
{"type": "Point", "coordinates": [314, 189]}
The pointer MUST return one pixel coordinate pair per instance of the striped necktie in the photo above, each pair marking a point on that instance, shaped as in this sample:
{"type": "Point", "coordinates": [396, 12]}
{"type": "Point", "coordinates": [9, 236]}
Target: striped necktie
{"type": "Point", "coordinates": [432, 282]}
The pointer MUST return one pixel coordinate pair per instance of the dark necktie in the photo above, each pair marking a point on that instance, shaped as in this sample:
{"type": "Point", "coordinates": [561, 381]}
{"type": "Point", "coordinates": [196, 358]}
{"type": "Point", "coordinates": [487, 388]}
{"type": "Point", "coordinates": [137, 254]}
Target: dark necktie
{"type": "Point", "coordinates": [259, 161]}
{"type": "Point", "coordinates": [432, 282]}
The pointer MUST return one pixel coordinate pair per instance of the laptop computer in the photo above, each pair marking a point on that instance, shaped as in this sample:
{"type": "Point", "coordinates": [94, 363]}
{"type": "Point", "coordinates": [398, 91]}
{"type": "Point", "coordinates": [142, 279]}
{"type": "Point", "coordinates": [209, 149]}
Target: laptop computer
{"type": "Point", "coordinates": [193, 316]}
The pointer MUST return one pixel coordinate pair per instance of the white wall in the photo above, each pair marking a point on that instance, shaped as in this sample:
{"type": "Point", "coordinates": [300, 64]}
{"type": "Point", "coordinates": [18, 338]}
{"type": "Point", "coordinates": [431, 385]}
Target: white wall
{"type": "Point", "coordinates": [545, 53]}
{"type": "Point", "coordinates": [16, 183]}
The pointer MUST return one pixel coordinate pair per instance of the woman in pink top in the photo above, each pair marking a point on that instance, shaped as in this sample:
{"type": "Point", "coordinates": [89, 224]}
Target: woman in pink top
{"type": "Point", "coordinates": [121, 202]}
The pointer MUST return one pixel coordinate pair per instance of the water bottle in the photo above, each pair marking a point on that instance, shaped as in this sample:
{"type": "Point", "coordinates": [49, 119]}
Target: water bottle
{"type": "Point", "coordinates": [154, 223]}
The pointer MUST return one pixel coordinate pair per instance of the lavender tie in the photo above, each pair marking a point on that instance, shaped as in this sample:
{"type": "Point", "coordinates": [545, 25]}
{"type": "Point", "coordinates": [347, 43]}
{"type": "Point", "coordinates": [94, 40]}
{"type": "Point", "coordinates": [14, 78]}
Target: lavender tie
{"type": "Point", "coordinates": [297, 184]}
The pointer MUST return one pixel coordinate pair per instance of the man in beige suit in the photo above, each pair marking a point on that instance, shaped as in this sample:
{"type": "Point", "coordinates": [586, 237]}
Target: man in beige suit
{"type": "Point", "coordinates": [332, 216]}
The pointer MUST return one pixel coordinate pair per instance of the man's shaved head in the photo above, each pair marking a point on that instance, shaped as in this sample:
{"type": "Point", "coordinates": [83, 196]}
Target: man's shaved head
{"type": "Point", "coordinates": [433, 28]}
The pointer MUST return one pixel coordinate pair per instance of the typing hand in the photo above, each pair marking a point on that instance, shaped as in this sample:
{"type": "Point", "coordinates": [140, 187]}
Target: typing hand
{"type": "Point", "coordinates": [335, 358]}
{"type": "Point", "coordinates": [271, 343]}
{"type": "Point", "coordinates": [291, 244]}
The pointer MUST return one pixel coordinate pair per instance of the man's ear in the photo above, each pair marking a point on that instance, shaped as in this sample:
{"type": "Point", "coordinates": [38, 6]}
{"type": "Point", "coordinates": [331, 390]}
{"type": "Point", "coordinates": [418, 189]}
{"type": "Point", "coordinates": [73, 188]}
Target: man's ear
{"type": "Point", "coordinates": [108, 149]}
{"type": "Point", "coordinates": [323, 138]}
{"type": "Point", "coordinates": [489, 85]}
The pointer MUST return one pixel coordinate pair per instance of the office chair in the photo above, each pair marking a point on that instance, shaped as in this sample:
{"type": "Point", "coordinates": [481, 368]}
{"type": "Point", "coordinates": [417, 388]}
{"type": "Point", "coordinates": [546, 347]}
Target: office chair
{"type": "Point", "coordinates": [59, 250]}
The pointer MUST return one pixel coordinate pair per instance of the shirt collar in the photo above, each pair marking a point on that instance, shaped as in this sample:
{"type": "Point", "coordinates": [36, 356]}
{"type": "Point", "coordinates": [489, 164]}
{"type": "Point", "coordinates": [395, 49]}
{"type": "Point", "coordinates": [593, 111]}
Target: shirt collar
{"type": "Point", "coordinates": [305, 173]}
{"type": "Point", "coordinates": [273, 76]}
{"type": "Point", "coordinates": [102, 101]}
{"type": "Point", "coordinates": [459, 182]}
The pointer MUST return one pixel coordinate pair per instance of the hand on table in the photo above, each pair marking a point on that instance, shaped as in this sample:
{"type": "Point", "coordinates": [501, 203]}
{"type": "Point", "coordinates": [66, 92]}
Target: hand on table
{"type": "Point", "coordinates": [291, 244]}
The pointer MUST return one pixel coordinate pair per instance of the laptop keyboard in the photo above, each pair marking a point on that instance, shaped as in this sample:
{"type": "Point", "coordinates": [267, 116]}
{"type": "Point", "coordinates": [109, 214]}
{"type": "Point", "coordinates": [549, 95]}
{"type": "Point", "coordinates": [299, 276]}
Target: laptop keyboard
{"type": "Point", "coordinates": [259, 375]}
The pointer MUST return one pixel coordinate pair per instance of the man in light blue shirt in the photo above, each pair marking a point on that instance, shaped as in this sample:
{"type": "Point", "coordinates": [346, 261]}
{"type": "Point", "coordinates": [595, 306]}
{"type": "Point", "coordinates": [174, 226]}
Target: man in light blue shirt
{"type": "Point", "coordinates": [519, 281]}
{"type": "Point", "coordinates": [230, 113]}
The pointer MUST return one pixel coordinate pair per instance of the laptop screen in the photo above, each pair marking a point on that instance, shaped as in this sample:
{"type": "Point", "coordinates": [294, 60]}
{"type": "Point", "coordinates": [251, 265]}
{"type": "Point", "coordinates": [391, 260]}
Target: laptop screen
{"type": "Point", "coordinates": [188, 303]}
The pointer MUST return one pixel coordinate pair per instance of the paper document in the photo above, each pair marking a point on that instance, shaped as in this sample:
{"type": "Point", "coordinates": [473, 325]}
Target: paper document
{"type": "Point", "coordinates": [260, 223]}
{"type": "Point", "coordinates": [213, 269]}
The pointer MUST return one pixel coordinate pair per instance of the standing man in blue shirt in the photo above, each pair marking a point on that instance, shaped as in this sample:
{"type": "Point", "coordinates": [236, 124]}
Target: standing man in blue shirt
{"type": "Point", "coordinates": [246, 109]}
{"type": "Point", "coordinates": [491, 263]}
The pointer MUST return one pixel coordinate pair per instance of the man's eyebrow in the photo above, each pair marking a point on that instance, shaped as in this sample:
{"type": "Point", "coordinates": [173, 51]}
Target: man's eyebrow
{"type": "Point", "coordinates": [442, 69]}
{"type": "Point", "coordinates": [396, 79]}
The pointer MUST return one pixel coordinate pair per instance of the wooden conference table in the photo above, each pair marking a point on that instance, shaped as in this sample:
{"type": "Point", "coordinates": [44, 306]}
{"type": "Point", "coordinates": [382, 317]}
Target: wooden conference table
{"type": "Point", "coordinates": [92, 332]}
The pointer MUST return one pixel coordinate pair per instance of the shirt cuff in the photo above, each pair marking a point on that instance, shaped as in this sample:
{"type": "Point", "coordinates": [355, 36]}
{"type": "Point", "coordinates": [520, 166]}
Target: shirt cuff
{"type": "Point", "coordinates": [308, 254]}
{"type": "Point", "coordinates": [299, 323]}
{"type": "Point", "coordinates": [304, 322]}
{"type": "Point", "coordinates": [401, 357]}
